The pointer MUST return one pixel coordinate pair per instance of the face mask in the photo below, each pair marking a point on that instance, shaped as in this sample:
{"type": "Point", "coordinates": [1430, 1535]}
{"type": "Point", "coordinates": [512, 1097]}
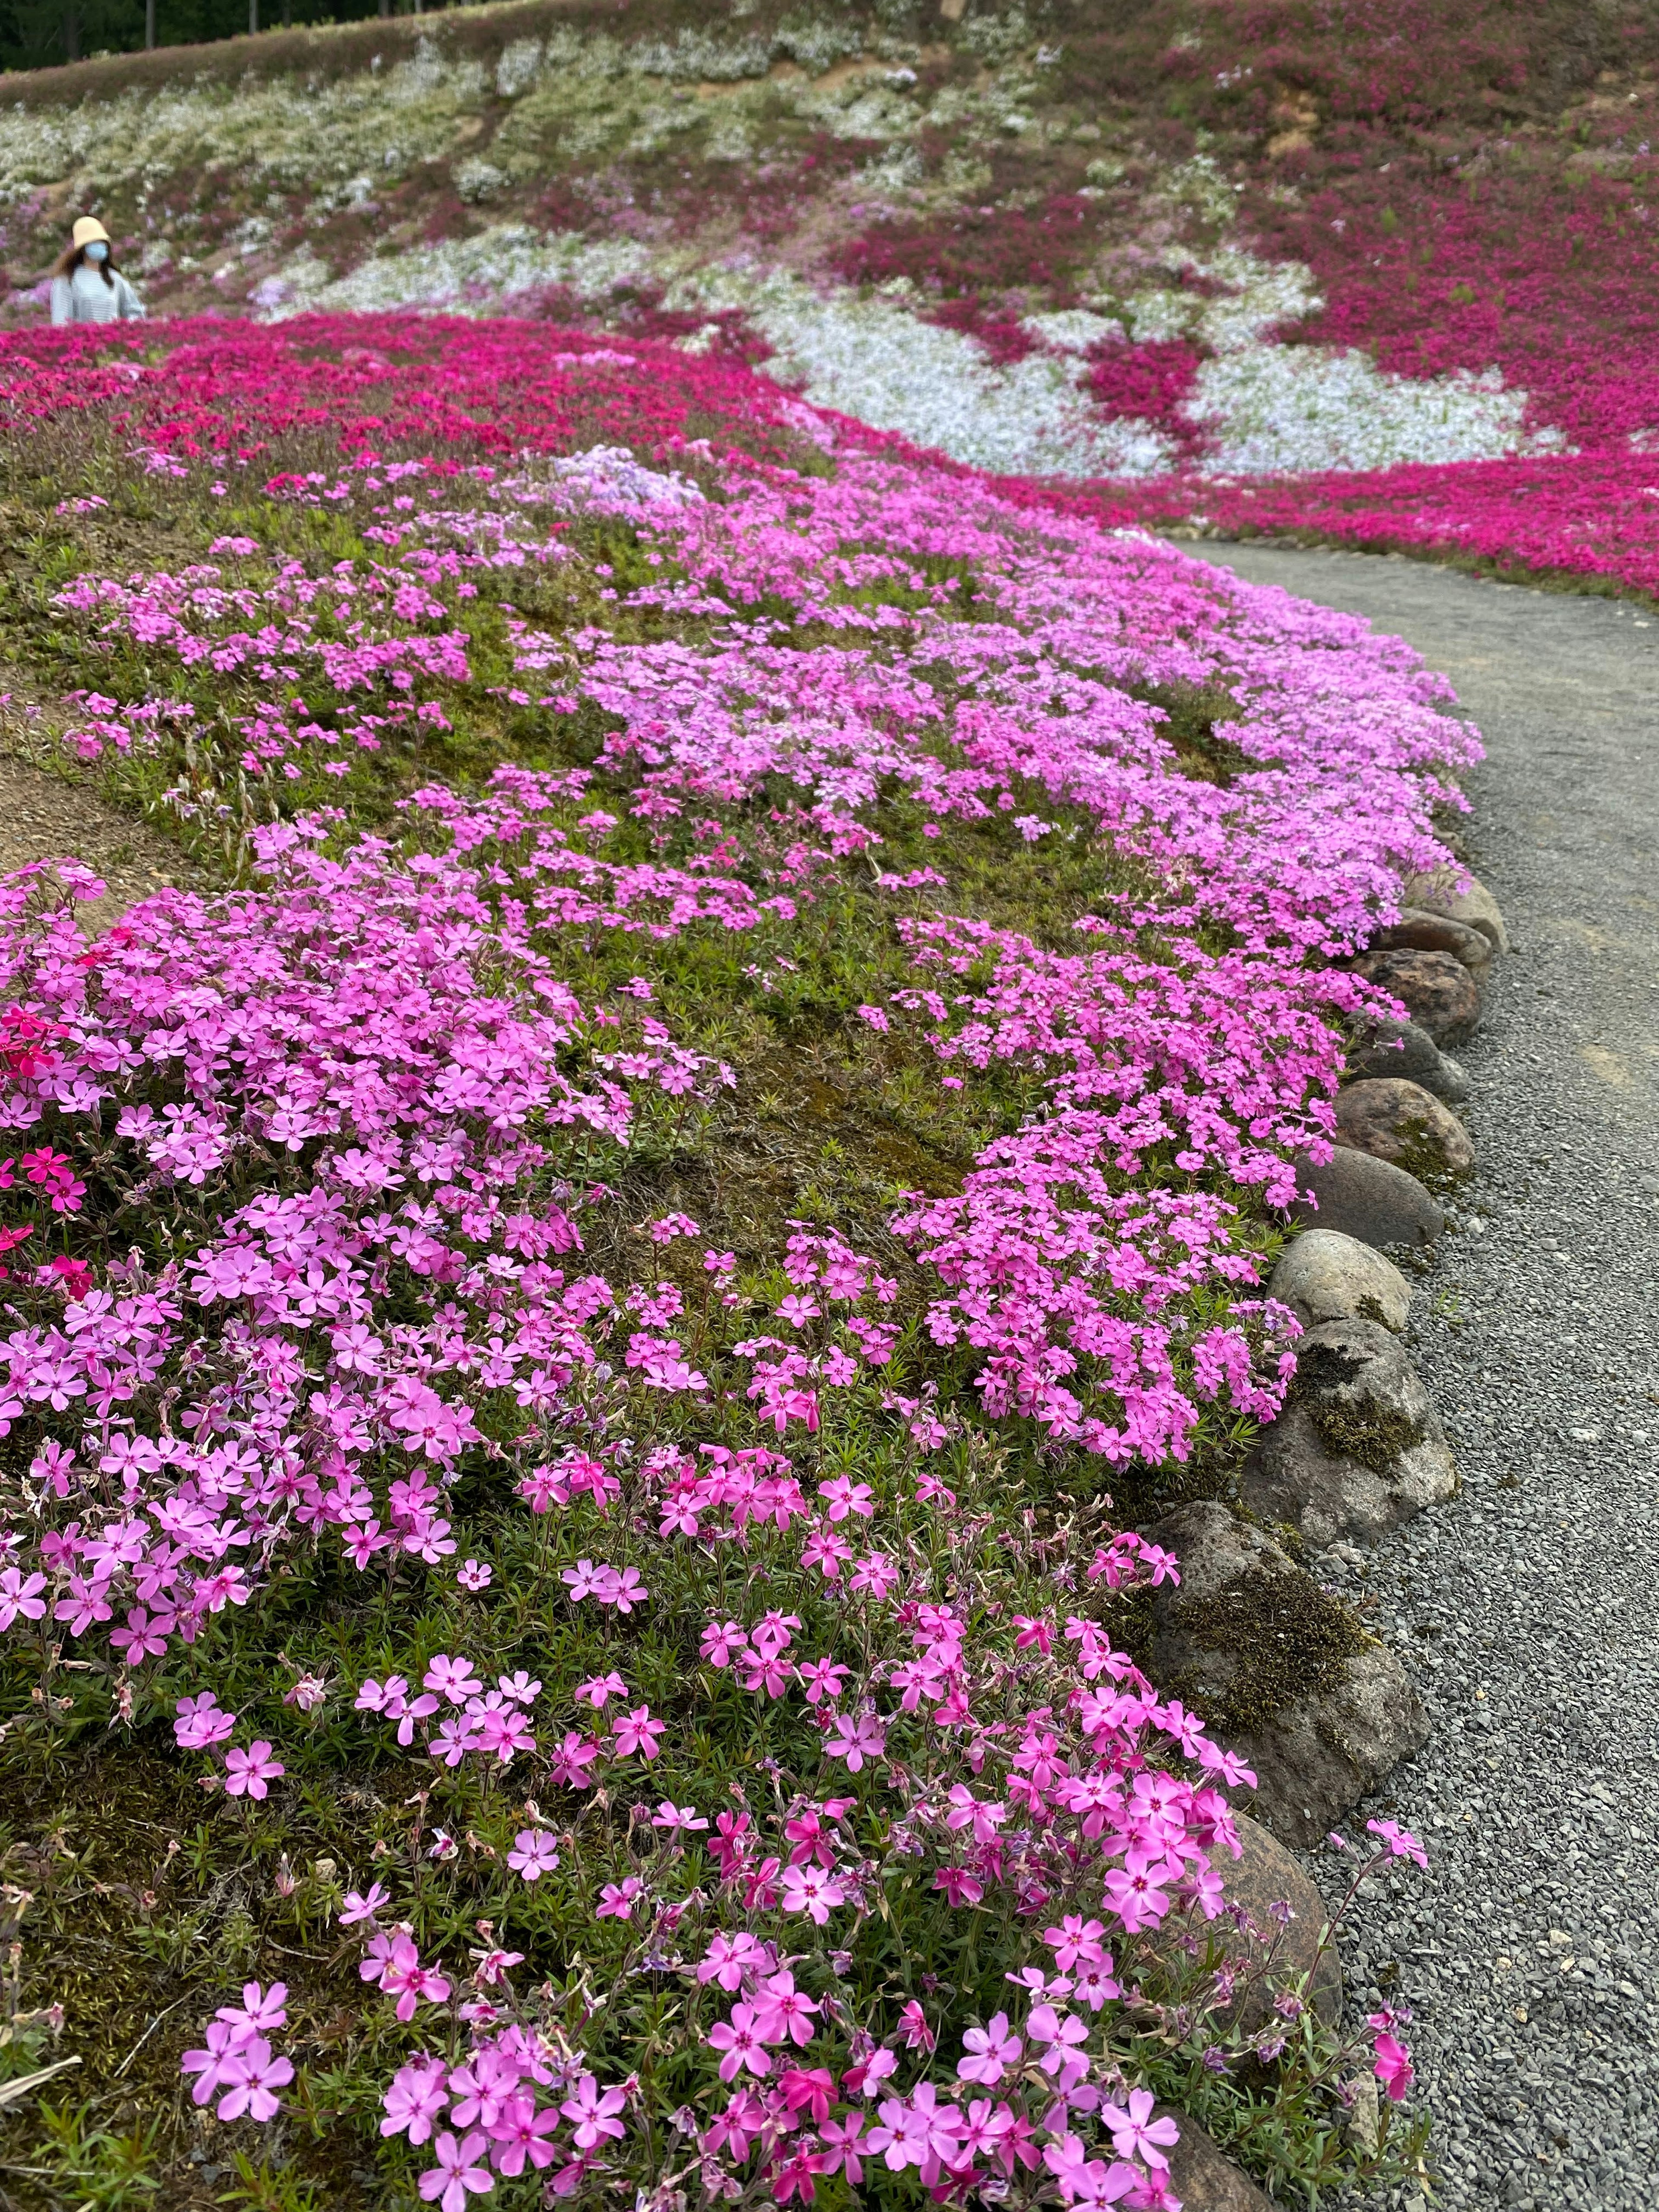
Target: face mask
{"type": "Point", "coordinates": [98, 251]}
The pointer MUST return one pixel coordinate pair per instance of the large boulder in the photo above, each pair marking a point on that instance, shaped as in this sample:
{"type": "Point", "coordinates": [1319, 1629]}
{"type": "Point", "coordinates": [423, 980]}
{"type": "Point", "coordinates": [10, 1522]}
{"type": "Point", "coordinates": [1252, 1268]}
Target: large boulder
{"type": "Point", "coordinates": [1436, 892]}
{"type": "Point", "coordinates": [1417, 930]}
{"type": "Point", "coordinates": [1325, 1276]}
{"type": "Point", "coordinates": [1205, 2179]}
{"type": "Point", "coordinates": [1358, 1448]}
{"type": "Point", "coordinates": [1370, 1198]}
{"type": "Point", "coordinates": [1436, 991]}
{"type": "Point", "coordinates": [1281, 1671]}
{"type": "Point", "coordinates": [1394, 1120]}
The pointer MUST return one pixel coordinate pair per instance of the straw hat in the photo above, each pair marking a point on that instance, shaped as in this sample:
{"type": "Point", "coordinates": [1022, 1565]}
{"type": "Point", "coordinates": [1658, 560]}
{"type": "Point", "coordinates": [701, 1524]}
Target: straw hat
{"type": "Point", "coordinates": [87, 228]}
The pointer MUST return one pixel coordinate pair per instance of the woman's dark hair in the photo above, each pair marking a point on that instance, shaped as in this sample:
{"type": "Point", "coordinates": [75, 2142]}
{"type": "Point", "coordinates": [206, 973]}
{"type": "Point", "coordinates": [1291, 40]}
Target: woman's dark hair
{"type": "Point", "coordinates": [71, 258]}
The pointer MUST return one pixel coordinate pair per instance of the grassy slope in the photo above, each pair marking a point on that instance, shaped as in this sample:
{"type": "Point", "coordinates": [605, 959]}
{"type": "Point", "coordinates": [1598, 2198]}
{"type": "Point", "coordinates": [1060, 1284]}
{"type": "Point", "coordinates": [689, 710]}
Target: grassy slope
{"type": "Point", "coordinates": [147, 1903]}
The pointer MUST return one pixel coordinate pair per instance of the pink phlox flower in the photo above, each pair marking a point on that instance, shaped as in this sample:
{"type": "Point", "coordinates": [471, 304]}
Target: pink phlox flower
{"type": "Point", "coordinates": [841, 2147]}
{"type": "Point", "coordinates": [253, 2074]}
{"type": "Point", "coordinates": [534, 1854]}
{"type": "Point", "coordinates": [855, 1739]}
{"type": "Point", "coordinates": [200, 1722]}
{"type": "Point", "coordinates": [453, 1679]}
{"type": "Point", "coordinates": [774, 1633]}
{"type": "Point", "coordinates": [812, 1890]}
{"type": "Point", "coordinates": [360, 1906]}
{"type": "Point", "coordinates": [592, 2113]}
{"type": "Point", "coordinates": [637, 1732]}
{"type": "Point", "coordinates": [1074, 1939]}
{"type": "Point", "coordinates": [416, 2098]}
{"type": "Point", "coordinates": [1135, 2134]}
{"type": "Point", "coordinates": [251, 1772]}
{"type": "Point", "coordinates": [729, 1958]}
{"type": "Point", "coordinates": [481, 2088]}
{"type": "Point", "coordinates": [209, 2065]}
{"type": "Point", "coordinates": [460, 2173]}
{"type": "Point", "coordinates": [457, 1734]}
{"type": "Point", "coordinates": [990, 2052]}
{"type": "Point", "coordinates": [913, 2027]}
{"type": "Point", "coordinates": [520, 2133]}
{"type": "Point", "coordinates": [491, 1967]}
{"type": "Point", "coordinates": [822, 1679]}
{"type": "Point", "coordinates": [723, 1642]}
{"type": "Point", "coordinates": [741, 2044]}
{"type": "Point", "coordinates": [1060, 2033]}
{"type": "Point", "coordinates": [617, 1899]}
{"type": "Point", "coordinates": [922, 2131]}
{"type": "Point", "coordinates": [601, 1689]}
{"type": "Point", "coordinates": [1088, 2181]}
{"type": "Point", "coordinates": [261, 2012]}
{"type": "Point", "coordinates": [683, 1819]}
{"type": "Point", "coordinates": [783, 2011]}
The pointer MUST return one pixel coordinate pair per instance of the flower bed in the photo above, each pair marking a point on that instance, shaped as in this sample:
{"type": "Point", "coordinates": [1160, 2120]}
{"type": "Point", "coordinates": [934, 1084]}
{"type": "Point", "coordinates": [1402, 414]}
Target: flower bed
{"type": "Point", "coordinates": [623, 1590]}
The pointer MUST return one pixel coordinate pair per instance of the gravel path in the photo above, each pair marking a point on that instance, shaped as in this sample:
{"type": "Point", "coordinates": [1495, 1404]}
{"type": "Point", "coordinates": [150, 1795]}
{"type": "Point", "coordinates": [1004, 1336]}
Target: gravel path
{"type": "Point", "coordinates": [1528, 1610]}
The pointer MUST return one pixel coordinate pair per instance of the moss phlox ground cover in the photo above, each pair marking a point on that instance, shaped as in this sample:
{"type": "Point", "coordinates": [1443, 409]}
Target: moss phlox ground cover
{"type": "Point", "coordinates": [786, 1820]}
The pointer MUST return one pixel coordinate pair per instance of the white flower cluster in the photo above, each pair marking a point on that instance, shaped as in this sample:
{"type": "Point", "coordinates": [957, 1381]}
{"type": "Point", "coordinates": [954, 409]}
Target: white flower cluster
{"type": "Point", "coordinates": [1275, 409]}
{"type": "Point", "coordinates": [1265, 407]}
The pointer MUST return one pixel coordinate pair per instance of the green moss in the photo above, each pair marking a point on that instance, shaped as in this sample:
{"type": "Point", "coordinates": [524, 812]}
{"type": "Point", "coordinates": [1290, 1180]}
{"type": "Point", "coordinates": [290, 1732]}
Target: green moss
{"type": "Point", "coordinates": [1287, 1639]}
{"type": "Point", "coordinates": [1367, 1433]}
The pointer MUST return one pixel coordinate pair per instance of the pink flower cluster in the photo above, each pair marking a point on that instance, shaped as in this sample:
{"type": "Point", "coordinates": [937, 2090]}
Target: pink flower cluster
{"type": "Point", "coordinates": [371, 1101]}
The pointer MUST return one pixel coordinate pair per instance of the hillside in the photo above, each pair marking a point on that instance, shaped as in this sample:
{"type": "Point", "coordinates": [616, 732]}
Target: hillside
{"type": "Point", "coordinates": [1143, 243]}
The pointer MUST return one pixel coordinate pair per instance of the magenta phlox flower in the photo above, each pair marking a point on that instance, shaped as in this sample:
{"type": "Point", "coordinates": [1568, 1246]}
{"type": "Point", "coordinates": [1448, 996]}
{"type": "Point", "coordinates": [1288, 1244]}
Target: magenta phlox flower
{"type": "Point", "coordinates": [1399, 1842]}
{"type": "Point", "coordinates": [1393, 2065]}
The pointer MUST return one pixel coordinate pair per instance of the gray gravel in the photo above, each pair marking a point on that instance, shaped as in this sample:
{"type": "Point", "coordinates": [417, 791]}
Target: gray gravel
{"type": "Point", "coordinates": [1528, 1610]}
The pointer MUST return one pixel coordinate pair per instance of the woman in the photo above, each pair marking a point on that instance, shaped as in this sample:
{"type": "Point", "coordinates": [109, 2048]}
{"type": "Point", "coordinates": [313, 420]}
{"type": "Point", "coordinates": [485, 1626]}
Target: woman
{"type": "Point", "coordinates": [86, 287]}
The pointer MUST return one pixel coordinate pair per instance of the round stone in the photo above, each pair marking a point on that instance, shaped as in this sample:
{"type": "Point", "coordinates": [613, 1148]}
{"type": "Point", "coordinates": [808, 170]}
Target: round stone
{"type": "Point", "coordinates": [1393, 1120]}
{"type": "Point", "coordinates": [1326, 1276]}
{"type": "Point", "coordinates": [1438, 992]}
{"type": "Point", "coordinates": [1419, 930]}
{"type": "Point", "coordinates": [1367, 1198]}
